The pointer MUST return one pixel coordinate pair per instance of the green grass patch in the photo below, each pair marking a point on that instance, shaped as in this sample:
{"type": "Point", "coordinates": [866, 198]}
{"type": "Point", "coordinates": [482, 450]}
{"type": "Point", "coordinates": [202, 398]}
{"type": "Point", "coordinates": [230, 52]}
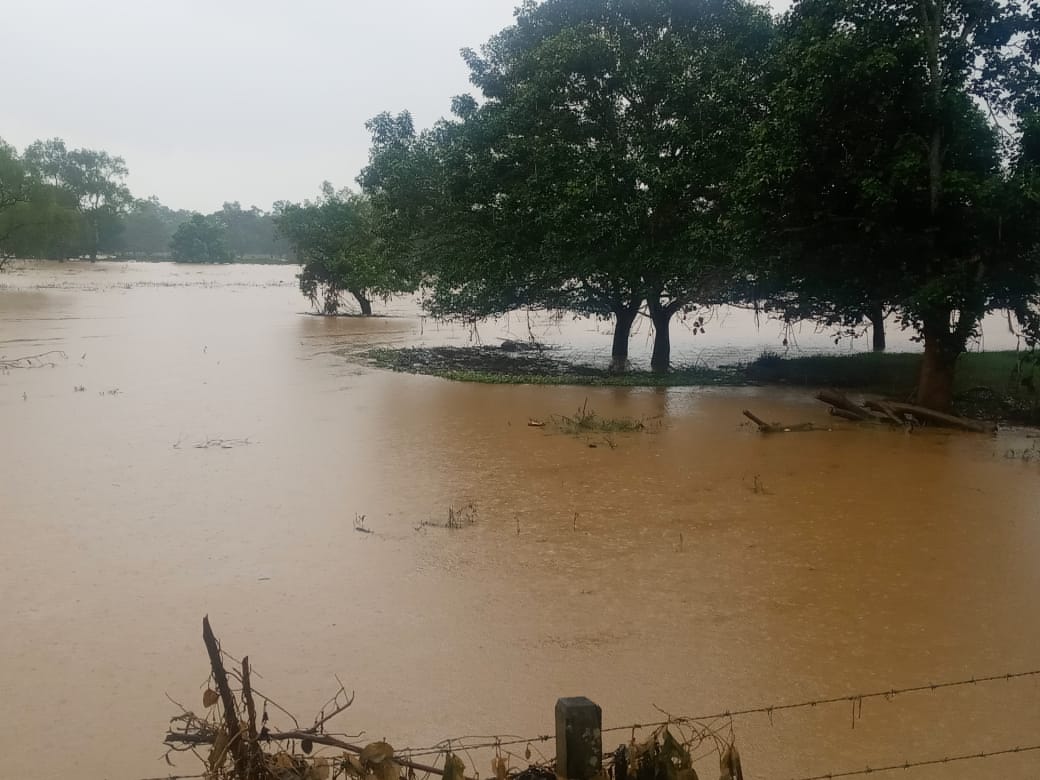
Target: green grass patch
{"type": "Point", "coordinates": [493, 366]}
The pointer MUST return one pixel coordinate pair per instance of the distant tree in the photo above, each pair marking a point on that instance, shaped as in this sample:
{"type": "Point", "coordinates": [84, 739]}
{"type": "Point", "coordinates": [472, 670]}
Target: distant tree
{"type": "Point", "coordinates": [334, 238]}
{"type": "Point", "coordinates": [200, 240]}
{"type": "Point", "coordinates": [251, 232]}
{"type": "Point", "coordinates": [96, 181]}
{"type": "Point", "coordinates": [14, 189]}
{"type": "Point", "coordinates": [148, 227]}
{"type": "Point", "coordinates": [37, 217]}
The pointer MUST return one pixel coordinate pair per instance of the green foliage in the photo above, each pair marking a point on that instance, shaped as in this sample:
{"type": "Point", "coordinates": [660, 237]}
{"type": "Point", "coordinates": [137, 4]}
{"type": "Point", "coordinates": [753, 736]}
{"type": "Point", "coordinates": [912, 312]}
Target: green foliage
{"type": "Point", "coordinates": [251, 232]}
{"type": "Point", "coordinates": [876, 177]}
{"type": "Point", "coordinates": [93, 180]}
{"type": "Point", "coordinates": [334, 237]}
{"type": "Point", "coordinates": [148, 228]}
{"type": "Point", "coordinates": [200, 240]}
{"type": "Point", "coordinates": [37, 218]}
{"type": "Point", "coordinates": [594, 174]}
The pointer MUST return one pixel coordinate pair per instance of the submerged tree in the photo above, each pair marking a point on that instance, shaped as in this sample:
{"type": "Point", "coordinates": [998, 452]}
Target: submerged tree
{"type": "Point", "coordinates": [877, 179]}
{"type": "Point", "coordinates": [334, 239]}
{"type": "Point", "coordinates": [593, 177]}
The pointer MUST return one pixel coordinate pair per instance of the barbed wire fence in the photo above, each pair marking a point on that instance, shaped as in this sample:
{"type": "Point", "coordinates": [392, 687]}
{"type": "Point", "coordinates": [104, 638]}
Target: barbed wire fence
{"type": "Point", "coordinates": [238, 750]}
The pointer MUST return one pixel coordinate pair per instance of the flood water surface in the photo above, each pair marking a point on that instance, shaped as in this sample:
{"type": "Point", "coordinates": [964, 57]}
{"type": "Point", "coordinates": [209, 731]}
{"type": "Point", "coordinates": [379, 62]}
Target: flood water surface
{"type": "Point", "coordinates": [199, 446]}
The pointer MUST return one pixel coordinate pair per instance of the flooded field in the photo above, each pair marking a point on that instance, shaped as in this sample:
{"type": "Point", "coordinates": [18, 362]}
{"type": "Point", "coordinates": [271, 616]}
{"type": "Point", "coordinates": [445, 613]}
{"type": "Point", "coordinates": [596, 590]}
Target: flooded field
{"type": "Point", "coordinates": [694, 569]}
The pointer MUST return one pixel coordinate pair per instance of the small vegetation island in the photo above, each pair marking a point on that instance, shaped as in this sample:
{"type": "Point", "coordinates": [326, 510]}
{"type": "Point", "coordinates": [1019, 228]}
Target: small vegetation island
{"type": "Point", "coordinates": [843, 162]}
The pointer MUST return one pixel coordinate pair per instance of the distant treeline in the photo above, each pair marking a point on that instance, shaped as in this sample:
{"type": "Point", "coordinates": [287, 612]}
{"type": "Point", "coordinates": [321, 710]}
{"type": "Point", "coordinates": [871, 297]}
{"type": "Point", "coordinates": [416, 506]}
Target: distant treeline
{"type": "Point", "coordinates": [59, 203]}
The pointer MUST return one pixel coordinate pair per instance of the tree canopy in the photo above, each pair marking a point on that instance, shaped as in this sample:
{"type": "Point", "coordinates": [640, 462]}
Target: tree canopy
{"type": "Point", "coordinates": [879, 174]}
{"type": "Point", "coordinates": [335, 240]}
{"type": "Point", "coordinates": [200, 240]}
{"type": "Point", "coordinates": [593, 175]}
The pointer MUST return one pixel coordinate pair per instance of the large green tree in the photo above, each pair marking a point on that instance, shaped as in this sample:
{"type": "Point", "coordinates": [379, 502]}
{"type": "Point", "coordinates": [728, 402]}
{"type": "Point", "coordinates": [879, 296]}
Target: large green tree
{"type": "Point", "coordinates": [14, 189]}
{"type": "Point", "coordinates": [37, 217]}
{"type": "Point", "coordinates": [96, 182]}
{"type": "Point", "coordinates": [878, 175]}
{"type": "Point", "coordinates": [595, 172]}
{"type": "Point", "coordinates": [335, 240]}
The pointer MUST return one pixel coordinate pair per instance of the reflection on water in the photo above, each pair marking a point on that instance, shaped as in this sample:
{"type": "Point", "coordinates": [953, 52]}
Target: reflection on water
{"type": "Point", "coordinates": [699, 568]}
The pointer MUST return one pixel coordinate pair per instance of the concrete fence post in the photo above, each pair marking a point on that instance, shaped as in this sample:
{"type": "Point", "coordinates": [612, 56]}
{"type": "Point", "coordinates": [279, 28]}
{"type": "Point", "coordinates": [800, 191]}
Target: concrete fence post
{"type": "Point", "coordinates": [579, 738]}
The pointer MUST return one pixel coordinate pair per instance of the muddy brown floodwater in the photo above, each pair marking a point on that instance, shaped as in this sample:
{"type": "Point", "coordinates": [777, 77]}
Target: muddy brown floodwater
{"type": "Point", "coordinates": [696, 569]}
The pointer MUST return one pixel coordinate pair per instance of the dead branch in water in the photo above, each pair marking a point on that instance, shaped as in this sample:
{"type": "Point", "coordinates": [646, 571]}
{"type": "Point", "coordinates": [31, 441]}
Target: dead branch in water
{"type": "Point", "coordinates": [765, 427]}
{"type": "Point", "coordinates": [895, 413]}
{"type": "Point", "coordinates": [42, 360]}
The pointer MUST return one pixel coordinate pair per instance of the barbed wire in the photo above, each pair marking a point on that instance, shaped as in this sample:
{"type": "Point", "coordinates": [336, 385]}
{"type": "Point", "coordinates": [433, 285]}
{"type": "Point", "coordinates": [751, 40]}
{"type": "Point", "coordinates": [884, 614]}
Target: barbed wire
{"type": "Point", "coordinates": [914, 764]}
{"type": "Point", "coordinates": [853, 698]}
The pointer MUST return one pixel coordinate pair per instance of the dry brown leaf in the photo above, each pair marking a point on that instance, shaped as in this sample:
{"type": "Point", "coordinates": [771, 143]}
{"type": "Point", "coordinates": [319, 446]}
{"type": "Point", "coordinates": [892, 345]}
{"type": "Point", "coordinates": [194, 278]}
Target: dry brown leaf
{"type": "Point", "coordinates": [352, 766]}
{"type": "Point", "coordinates": [283, 761]}
{"type": "Point", "coordinates": [376, 753]}
{"type": "Point", "coordinates": [387, 770]}
{"type": "Point", "coordinates": [321, 769]}
{"type": "Point", "coordinates": [209, 698]}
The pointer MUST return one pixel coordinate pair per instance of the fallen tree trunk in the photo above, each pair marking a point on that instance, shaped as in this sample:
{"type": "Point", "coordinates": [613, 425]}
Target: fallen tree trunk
{"type": "Point", "coordinates": [941, 418]}
{"type": "Point", "coordinates": [765, 427]}
{"type": "Point", "coordinates": [896, 413]}
{"type": "Point", "coordinates": [840, 401]}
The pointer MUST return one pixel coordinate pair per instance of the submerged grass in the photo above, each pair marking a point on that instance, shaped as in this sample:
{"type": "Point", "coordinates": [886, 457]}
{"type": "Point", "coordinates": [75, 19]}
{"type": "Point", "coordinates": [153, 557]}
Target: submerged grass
{"type": "Point", "coordinates": [490, 365]}
{"type": "Point", "coordinates": [993, 385]}
{"type": "Point", "coordinates": [585, 420]}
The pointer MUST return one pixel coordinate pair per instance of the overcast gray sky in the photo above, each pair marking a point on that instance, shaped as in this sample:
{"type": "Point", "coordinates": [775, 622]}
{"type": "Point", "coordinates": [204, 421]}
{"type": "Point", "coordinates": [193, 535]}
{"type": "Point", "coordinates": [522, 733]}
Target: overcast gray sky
{"type": "Point", "coordinates": [248, 100]}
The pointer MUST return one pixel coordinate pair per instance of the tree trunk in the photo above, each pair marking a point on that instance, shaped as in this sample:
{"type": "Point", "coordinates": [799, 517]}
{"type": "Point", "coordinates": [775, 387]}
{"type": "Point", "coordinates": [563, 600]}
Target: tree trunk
{"type": "Point", "coordinates": [935, 380]}
{"type": "Point", "coordinates": [363, 302]}
{"type": "Point", "coordinates": [661, 316]}
{"type": "Point", "coordinates": [876, 315]}
{"type": "Point", "coordinates": [624, 318]}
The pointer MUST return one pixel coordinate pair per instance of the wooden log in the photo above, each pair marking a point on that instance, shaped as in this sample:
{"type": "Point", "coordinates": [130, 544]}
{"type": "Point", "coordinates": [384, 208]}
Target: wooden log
{"type": "Point", "coordinates": [762, 424]}
{"type": "Point", "coordinates": [765, 427]}
{"type": "Point", "coordinates": [845, 415]}
{"type": "Point", "coordinates": [942, 419]}
{"type": "Point", "coordinates": [841, 401]}
{"type": "Point", "coordinates": [888, 413]}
